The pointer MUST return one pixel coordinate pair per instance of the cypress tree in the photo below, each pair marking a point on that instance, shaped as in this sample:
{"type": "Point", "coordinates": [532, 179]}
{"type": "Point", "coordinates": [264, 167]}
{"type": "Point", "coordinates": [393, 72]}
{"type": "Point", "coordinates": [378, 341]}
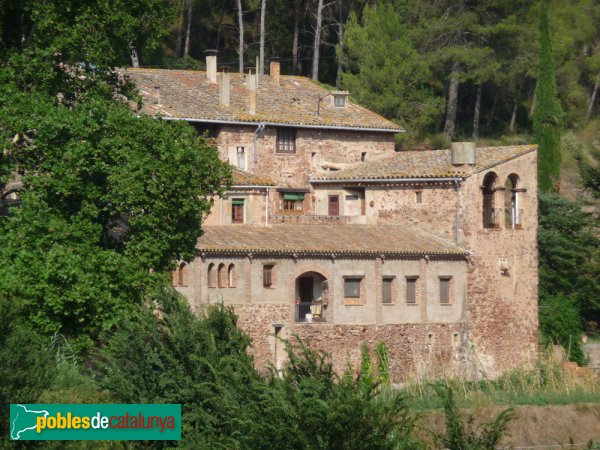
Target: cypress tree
{"type": "Point", "coordinates": [547, 117]}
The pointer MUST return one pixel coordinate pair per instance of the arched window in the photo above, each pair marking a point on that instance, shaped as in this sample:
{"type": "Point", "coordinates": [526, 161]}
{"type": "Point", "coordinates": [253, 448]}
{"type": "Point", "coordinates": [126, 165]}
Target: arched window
{"type": "Point", "coordinates": [232, 276]}
{"type": "Point", "coordinates": [511, 202]}
{"type": "Point", "coordinates": [183, 274]}
{"type": "Point", "coordinates": [490, 216]}
{"type": "Point", "coordinates": [212, 276]}
{"type": "Point", "coordinates": [222, 275]}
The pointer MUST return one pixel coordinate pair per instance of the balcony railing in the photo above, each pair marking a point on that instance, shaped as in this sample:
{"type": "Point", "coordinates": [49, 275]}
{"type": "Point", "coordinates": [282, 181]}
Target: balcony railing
{"type": "Point", "coordinates": [310, 219]}
{"type": "Point", "coordinates": [491, 217]}
{"type": "Point", "coordinates": [513, 218]}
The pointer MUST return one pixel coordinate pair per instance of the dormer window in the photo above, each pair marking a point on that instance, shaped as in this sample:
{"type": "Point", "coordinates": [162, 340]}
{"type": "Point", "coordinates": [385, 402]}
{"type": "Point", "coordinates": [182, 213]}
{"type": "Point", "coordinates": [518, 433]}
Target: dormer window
{"type": "Point", "coordinates": [340, 99]}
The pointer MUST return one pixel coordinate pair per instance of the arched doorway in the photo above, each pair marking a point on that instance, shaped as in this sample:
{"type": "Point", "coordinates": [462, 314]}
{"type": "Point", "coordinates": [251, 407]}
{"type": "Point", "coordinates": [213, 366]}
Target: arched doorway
{"type": "Point", "coordinates": [312, 297]}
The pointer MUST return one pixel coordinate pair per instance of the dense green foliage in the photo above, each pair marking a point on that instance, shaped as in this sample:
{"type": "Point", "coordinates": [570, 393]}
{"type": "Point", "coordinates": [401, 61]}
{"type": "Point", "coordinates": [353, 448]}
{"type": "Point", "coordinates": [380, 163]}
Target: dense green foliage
{"type": "Point", "coordinates": [569, 269]}
{"type": "Point", "coordinates": [398, 57]}
{"type": "Point", "coordinates": [109, 199]}
{"type": "Point", "coordinates": [172, 356]}
{"type": "Point", "coordinates": [99, 32]}
{"type": "Point", "coordinates": [384, 71]}
{"type": "Point", "coordinates": [568, 254]}
{"type": "Point", "coordinates": [547, 118]}
{"type": "Point", "coordinates": [23, 374]}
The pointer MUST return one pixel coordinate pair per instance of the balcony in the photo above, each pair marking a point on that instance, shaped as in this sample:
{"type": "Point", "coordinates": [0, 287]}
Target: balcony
{"type": "Point", "coordinates": [311, 219]}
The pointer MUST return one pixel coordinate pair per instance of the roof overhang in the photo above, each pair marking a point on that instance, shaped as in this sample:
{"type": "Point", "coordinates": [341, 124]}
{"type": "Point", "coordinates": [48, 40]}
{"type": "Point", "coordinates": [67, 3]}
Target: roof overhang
{"type": "Point", "coordinates": [328, 254]}
{"type": "Point", "coordinates": [387, 180]}
{"type": "Point", "coordinates": [277, 124]}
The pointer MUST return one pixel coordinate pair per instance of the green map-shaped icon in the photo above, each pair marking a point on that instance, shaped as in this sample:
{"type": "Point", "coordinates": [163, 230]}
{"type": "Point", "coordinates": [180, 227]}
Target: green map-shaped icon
{"type": "Point", "coordinates": [24, 420]}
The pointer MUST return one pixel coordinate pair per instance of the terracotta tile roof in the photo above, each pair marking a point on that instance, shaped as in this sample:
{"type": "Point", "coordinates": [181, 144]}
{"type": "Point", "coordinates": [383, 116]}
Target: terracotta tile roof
{"type": "Point", "coordinates": [188, 94]}
{"type": "Point", "coordinates": [368, 240]}
{"type": "Point", "coordinates": [426, 164]}
{"type": "Point", "coordinates": [242, 178]}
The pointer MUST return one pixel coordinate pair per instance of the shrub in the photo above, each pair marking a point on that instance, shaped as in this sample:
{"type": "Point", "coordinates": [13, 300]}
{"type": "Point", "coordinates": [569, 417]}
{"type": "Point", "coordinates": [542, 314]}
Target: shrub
{"type": "Point", "coordinates": [463, 435]}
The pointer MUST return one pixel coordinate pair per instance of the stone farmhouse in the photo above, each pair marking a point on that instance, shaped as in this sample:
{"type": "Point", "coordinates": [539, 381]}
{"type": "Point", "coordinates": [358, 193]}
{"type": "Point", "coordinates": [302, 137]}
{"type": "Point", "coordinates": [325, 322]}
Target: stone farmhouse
{"type": "Point", "coordinates": [330, 234]}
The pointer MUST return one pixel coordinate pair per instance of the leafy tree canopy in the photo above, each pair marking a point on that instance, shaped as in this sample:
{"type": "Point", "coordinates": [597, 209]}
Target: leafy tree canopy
{"type": "Point", "coordinates": [109, 199]}
{"type": "Point", "coordinates": [385, 72]}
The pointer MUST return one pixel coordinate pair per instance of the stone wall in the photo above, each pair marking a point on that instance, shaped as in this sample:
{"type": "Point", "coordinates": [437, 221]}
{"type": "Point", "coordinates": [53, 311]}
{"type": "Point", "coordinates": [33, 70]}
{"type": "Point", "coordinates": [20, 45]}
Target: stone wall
{"type": "Point", "coordinates": [313, 148]}
{"type": "Point", "coordinates": [502, 306]}
{"type": "Point", "coordinates": [423, 350]}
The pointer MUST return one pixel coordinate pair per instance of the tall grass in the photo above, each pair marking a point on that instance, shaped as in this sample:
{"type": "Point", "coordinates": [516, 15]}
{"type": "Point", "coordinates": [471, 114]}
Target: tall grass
{"type": "Point", "coordinates": [548, 383]}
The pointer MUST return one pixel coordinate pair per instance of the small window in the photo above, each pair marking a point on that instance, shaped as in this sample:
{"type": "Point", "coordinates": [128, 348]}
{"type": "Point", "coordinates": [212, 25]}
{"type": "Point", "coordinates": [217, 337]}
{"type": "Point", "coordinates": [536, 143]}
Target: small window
{"type": "Point", "coordinates": [445, 290]}
{"type": "Point", "coordinates": [268, 275]}
{"type": "Point", "coordinates": [363, 156]}
{"type": "Point", "coordinates": [286, 140]}
{"type": "Point", "coordinates": [352, 287]}
{"type": "Point", "coordinates": [419, 196]}
{"type": "Point", "coordinates": [411, 290]}
{"type": "Point", "coordinates": [237, 210]}
{"type": "Point", "coordinates": [387, 295]}
{"type": "Point", "coordinates": [293, 202]}
{"type": "Point", "coordinates": [241, 158]}
{"type": "Point", "coordinates": [339, 100]}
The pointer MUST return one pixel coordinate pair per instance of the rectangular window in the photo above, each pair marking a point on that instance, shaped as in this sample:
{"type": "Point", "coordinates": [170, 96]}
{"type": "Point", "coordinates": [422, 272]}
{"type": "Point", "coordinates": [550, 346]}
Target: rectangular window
{"type": "Point", "coordinates": [293, 202]}
{"type": "Point", "coordinates": [268, 275]}
{"type": "Point", "coordinates": [387, 283]}
{"type": "Point", "coordinates": [237, 210]}
{"type": "Point", "coordinates": [445, 290]}
{"type": "Point", "coordinates": [411, 289]}
{"type": "Point", "coordinates": [352, 287]}
{"type": "Point", "coordinates": [286, 140]}
{"type": "Point", "coordinates": [241, 158]}
{"type": "Point", "coordinates": [419, 196]}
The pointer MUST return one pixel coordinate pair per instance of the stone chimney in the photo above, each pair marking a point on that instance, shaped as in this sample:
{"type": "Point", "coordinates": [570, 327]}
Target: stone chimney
{"type": "Point", "coordinates": [463, 153]}
{"type": "Point", "coordinates": [211, 65]}
{"type": "Point", "coordinates": [251, 87]}
{"type": "Point", "coordinates": [224, 87]}
{"type": "Point", "coordinates": [275, 70]}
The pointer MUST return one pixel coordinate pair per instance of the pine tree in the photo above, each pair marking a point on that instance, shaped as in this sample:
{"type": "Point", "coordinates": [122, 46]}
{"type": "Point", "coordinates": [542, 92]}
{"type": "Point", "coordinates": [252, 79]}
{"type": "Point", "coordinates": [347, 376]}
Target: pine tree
{"type": "Point", "coordinates": [548, 113]}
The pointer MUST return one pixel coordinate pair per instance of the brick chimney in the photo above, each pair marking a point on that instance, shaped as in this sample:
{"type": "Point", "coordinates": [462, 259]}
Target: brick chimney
{"type": "Point", "coordinates": [251, 87]}
{"type": "Point", "coordinates": [224, 87]}
{"type": "Point", "coordinates": [211, 65]}
{"type": "Point", "coordinates": [275, 70]}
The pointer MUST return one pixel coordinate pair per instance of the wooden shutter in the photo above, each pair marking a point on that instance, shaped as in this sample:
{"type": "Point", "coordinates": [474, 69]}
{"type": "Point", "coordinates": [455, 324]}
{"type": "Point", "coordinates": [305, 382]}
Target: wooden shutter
{"type": "Point", "coordinates": [352, 287]}
{"type": "Point", "coordinates": [237, 210]}
{"type": "Point", "coordinates": [444, 290]}
{"type": "Point", "coordinates": [334, 205]}
{"type": "Point", "coordinates": [387, 290]}
{"type": "Point", "coordinates": [267, 276]}
{"type": "Point", "coordinates": [411, 290]}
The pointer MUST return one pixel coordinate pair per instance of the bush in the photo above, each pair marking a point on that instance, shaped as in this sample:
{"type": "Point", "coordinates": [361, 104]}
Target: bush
{"type": "Point", "coordinates": [26, 362]}
{"type": "Point", "coordinates": [560, 323]}
{"type": "Point", "coordinates": [309, 406]}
